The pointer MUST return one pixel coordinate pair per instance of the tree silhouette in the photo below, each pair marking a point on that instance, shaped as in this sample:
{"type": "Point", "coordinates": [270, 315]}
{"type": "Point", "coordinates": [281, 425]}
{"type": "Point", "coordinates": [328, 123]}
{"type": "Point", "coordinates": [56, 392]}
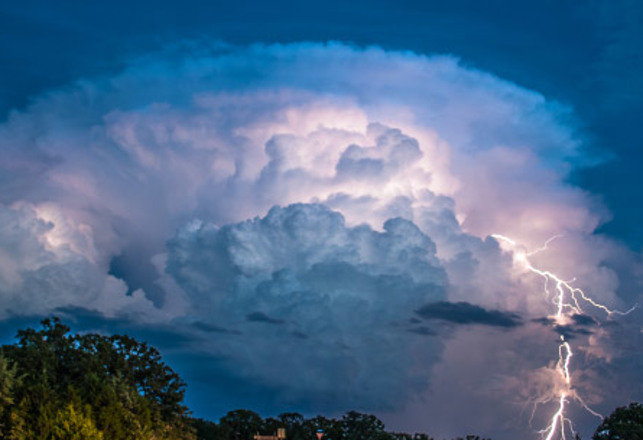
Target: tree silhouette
{"type": "Point", "coordinates": [625, 423]}
{"type": "Point", "coordinates": [240, 424]}
{"type": "Point", "coordinates": [358, 426]}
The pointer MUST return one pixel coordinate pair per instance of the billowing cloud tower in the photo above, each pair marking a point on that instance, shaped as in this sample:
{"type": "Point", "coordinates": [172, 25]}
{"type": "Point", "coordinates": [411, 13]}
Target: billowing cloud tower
{"type": "Point", "coordinates": [326, 207]}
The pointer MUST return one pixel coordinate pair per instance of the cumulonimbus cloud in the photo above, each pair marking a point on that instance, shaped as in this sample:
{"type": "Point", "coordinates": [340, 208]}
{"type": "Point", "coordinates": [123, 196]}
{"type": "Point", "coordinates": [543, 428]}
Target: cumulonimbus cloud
{"type": "Point", "coordinates": [322, 300]}
{"type": "Point", "coordinates": [307, 195]}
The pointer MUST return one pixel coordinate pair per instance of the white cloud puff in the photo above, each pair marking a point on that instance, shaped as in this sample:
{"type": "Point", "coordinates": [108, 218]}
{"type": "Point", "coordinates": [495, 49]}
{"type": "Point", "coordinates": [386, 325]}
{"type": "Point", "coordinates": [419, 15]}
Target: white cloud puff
{"type": "Point", "coordinates": [45, 266]}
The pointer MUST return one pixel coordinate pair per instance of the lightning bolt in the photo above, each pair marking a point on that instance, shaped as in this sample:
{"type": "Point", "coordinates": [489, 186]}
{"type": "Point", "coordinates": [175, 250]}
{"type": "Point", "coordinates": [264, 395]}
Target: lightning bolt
{"type": "Point", "coordinates": [568, 301]}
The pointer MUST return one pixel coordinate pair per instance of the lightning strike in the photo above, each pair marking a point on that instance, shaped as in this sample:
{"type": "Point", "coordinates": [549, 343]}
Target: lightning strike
{"type": "Point", "coordinates": [567, 301]}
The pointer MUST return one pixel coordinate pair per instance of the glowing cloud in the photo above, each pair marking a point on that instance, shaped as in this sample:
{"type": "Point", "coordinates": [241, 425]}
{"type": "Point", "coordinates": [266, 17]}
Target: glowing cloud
{"type": "Point", "coordinates": [303, 198]}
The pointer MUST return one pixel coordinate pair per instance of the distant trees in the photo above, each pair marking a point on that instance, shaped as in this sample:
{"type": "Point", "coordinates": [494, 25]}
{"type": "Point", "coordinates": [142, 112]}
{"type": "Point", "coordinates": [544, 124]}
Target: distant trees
{"type": "Point", "coordinates": [54, 385]}
{"type": "Point", "coordinates": [205, 429]}
{"type": "Point", "coordinates": [357, 426]}
{"type": "Point", "coordinates": [241, 424]}
{"type": "Point", "coordinates": [625, 423]}
{"type": "Point", "coordinates": [294, 424]}
{"type": "Point", "coordinates": [244, 424]}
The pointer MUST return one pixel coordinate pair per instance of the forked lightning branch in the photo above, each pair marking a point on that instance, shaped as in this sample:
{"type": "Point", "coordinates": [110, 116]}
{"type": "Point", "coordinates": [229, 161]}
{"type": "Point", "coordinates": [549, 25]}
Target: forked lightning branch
{"type": "Point", "coordinates": [568, 301]}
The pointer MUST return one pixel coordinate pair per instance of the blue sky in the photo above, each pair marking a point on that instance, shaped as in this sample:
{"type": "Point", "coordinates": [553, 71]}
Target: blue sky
{"type": "Point", "coordinates": [220, 180]}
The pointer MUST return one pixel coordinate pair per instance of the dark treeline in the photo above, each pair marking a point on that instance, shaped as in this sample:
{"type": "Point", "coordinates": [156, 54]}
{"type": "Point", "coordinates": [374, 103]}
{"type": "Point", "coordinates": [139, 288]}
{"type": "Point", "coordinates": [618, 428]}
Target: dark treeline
{"type": "Point", "coordinates": [60, 386]}
{"type": "Point", "coordinates": [243, 424]}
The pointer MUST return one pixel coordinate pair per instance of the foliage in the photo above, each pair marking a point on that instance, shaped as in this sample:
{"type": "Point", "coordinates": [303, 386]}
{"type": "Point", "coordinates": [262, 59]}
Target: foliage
{"type": "Point", "coordinates": [240, 424]}
{"type": "Point", "coordinates": [205, 429]}
{"type": "Point", "coordinates": [357, 426]}
{"type": "Point", "coordinates": [70, 424]}
{"type": "Point", "coordinates": [55, 385]}
{"type": "Point", "coordinates": [244, 424]}
{"type": "Point", "coordinates": [625, 423]}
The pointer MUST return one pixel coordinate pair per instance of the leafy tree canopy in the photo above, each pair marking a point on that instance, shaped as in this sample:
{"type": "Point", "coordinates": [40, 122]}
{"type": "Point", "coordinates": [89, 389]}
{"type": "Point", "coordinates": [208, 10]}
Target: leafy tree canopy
{"type": "Point", "coordinates": [625, 423]}
{"type": "Point", "coordinates": [56, 385]}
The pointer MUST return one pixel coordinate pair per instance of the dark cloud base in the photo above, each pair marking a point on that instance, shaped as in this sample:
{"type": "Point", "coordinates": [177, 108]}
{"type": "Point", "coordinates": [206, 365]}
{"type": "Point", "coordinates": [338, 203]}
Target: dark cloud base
{"type": "Point", "coordinates": [468, 314]}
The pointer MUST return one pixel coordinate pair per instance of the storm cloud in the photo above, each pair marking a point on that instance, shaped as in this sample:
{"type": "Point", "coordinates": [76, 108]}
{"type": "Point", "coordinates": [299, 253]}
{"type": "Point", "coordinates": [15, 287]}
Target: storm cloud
{"type": "Point", "coordinates": [314, 296]}
{"type": "Point", "coordinates": [299, 203]}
